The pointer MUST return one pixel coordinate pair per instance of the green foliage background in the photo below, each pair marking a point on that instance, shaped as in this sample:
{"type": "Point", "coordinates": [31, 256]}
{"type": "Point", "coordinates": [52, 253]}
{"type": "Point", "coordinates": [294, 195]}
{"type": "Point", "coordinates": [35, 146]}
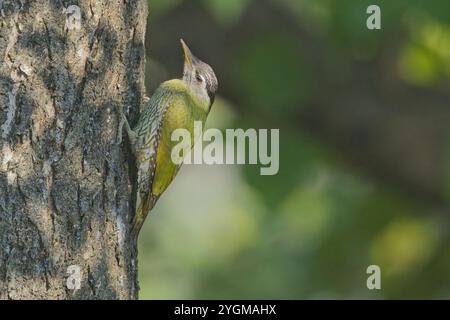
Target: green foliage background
{"type": "Point", "coordinates": [364, 153]}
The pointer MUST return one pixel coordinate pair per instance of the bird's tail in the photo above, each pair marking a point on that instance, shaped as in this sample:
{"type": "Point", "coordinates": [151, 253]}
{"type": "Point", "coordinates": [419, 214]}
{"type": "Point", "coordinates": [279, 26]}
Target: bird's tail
{"type": "Point", "coordinates": [143, 208]}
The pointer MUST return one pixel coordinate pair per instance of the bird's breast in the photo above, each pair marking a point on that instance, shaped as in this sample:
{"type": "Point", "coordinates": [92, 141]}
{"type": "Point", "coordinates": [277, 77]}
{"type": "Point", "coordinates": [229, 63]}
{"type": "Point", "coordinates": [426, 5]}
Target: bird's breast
{"type": "Point", "coordinates": [181, 114]}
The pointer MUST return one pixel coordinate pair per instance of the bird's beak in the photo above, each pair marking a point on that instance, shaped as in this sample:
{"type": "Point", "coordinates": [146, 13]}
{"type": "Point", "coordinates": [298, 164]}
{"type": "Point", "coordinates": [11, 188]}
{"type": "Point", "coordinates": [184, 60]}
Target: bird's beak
{"type": "Point", "coordinates": [188, 56]}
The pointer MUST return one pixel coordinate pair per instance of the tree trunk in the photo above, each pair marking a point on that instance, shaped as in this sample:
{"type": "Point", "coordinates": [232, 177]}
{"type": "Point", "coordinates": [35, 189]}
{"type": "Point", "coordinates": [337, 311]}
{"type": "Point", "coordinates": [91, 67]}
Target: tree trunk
{"type": "Point", "coordinates": [65, 70]}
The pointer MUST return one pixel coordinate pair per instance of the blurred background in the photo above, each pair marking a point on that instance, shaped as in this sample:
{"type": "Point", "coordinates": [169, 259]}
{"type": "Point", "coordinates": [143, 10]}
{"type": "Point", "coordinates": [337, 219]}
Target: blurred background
{"type": "Point", "coordinates": [364, 119]}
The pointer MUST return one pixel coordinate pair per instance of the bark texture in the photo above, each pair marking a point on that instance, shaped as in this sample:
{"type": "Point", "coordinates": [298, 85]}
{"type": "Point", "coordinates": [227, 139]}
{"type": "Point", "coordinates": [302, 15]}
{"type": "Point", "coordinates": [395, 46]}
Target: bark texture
{"type": "Point", "coordinates": [65, 69]}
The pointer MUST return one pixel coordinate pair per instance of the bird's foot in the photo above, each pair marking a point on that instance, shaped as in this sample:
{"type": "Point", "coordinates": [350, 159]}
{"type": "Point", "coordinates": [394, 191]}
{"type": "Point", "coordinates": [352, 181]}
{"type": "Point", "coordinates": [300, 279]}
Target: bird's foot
{"type": "Point", "coordinates": [131, 134]}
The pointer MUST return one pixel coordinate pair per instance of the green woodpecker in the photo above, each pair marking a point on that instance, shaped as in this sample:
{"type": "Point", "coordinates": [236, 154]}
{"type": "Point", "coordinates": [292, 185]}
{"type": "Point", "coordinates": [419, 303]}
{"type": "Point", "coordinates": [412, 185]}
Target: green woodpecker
{"type": "Point", "coordinates": [175, 104]}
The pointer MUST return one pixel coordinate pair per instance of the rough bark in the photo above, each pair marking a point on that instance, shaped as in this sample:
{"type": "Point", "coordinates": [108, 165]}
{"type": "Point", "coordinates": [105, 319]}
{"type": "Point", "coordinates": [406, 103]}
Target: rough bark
{"type": "Point", "coordinates": [65, 69]}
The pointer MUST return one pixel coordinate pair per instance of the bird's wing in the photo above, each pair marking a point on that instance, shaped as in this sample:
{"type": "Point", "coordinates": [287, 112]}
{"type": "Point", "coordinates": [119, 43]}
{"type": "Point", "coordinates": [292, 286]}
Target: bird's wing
{"type": "Point", "coordinates": [148, 132]}
{"type": "Point", "coordinates": [148, 137]}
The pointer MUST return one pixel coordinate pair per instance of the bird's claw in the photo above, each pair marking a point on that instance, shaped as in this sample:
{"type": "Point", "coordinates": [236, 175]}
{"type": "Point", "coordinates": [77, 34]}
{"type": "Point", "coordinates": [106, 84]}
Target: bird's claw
{"type": "Point", "coordinates": [131, 133]}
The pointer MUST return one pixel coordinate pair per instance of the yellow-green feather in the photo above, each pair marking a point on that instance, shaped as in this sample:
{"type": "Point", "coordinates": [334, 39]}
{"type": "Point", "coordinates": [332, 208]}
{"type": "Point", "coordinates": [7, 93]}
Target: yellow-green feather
{"type": "Point", "coordinates": [171, 107]}
{"type": "Point", "coordinates": [182, 113]}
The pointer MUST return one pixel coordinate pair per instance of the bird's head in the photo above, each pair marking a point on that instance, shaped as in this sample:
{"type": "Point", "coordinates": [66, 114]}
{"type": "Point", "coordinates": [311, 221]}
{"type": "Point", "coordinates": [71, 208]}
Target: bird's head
{"type": "Point", "coordinates": [199, 76]}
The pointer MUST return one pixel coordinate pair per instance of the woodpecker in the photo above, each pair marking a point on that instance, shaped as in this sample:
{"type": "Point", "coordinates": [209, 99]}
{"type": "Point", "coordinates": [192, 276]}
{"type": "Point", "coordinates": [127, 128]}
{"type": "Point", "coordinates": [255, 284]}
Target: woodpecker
{"type": "Point", "coordinates": [176, 104]}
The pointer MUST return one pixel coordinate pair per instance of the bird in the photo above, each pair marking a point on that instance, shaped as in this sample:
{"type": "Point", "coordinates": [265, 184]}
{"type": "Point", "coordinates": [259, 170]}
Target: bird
{"type": "Point", "coordinates": [175, 104]}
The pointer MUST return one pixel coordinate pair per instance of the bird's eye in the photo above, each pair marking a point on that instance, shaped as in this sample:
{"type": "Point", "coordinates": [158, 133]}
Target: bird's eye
{"type": "Point", "coordinates": [199, 77]}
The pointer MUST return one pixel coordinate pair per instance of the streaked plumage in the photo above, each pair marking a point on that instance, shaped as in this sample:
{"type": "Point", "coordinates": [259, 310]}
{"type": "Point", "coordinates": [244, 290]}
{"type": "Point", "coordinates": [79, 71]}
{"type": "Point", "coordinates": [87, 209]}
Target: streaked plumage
{"type": "Point", "coordinates": [175, 104]}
